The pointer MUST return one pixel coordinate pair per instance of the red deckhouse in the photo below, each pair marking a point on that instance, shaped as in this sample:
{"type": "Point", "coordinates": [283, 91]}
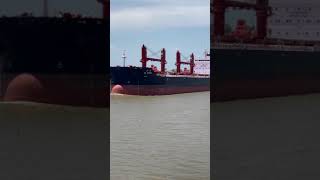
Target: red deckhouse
{"type": "Point", "coordinates": [262, 12]}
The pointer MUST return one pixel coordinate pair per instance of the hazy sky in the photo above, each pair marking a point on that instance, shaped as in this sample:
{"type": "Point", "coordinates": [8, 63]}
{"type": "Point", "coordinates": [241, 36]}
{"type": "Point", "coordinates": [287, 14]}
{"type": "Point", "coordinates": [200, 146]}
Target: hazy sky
{"type": "Point", "coordinates": [84, 7]}
{"type": "Point", "coordinates": [178, 24]}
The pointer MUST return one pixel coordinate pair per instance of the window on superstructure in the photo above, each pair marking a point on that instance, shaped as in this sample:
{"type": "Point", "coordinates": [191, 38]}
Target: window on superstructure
{"type": "Point", "coordinates": [308, 21]}
{"type": "Point", "coordinates": [318, 33]}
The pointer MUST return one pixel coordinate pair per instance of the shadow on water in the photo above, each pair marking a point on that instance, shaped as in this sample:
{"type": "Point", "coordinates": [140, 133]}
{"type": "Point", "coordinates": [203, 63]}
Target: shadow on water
{"type": "Point", "coordinates": [271, 138]}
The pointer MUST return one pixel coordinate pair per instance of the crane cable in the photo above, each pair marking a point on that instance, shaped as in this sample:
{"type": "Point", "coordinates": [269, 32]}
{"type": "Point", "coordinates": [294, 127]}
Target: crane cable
{"type": "Point", "coordinates": [154, 53]}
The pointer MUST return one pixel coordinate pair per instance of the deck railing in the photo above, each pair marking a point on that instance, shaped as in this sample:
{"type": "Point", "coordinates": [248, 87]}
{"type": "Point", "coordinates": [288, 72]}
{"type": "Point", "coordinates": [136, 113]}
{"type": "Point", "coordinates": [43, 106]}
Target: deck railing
{"type": "Point", "coordinates": [275, 47]}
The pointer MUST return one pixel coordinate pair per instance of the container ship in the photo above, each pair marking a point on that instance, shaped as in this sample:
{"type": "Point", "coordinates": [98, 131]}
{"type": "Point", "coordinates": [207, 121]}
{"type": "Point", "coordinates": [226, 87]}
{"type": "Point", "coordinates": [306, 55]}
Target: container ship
{"type": "Point", "coordinates": [55, 60]}
{"type": "Point", "coordinates": [279, 58]}
{"type": "Point", "coordinates": [146, 81]}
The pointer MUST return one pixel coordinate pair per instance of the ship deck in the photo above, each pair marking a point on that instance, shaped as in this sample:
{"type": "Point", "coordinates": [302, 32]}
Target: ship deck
{"type": "Point", "coordinates": [188, 76]}
{"type": "Point", "coordinates": [275, 47]}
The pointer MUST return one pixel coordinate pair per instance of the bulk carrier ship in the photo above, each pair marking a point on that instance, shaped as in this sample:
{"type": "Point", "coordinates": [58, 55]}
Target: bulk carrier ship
{"type": "Point", "coordinates": [279, 58]}
{"type": "Point", "coordinates": [150, 81]}
{"type": "Point", "coordinates": [56, 60]}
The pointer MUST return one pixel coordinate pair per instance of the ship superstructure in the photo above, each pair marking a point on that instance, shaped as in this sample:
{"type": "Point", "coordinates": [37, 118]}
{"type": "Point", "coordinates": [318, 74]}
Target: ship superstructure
{"type": "Point", "coordinates": [292, 19]}
{"type": "Point", "coordinates": [266, 61]}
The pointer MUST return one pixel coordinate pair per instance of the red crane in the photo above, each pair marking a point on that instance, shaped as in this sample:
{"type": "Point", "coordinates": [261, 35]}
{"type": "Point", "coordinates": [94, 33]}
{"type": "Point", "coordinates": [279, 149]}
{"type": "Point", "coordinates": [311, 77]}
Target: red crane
{"type": "Point", "coordinates": [145, 58]}
{"type": "Point", "coordinates": [179, 62]}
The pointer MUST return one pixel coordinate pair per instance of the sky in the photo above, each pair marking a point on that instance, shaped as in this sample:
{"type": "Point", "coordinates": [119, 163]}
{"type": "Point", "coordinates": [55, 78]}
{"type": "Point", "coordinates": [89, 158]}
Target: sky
{"type": "Point", "coordinates": [174, 25]}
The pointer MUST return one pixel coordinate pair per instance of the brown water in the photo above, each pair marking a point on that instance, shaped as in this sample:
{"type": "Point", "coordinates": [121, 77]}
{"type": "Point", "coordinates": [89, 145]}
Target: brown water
{"type": "Point", "coordinates": [271, 138]}
{"type": "Point", "coordinates": [160, 137]}
{"type": "Point", "coordinates": [40, 141]}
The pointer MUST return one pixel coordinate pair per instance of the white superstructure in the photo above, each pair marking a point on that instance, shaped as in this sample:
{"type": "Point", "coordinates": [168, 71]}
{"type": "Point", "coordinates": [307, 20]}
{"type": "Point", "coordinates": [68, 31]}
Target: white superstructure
{"type": "Point", "coordinates": [202, 67]}
{"type": "Point", "coordinates": [290, 19]}
{"type": "Point", "coordinates": [294, 19]}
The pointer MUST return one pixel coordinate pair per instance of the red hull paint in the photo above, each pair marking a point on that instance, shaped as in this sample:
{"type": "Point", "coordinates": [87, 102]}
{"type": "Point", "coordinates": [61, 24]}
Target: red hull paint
{"type": "Point", "coordinates": [147, 90]}
{"type": "Point", "coordinates": [251, 89]}
{"type": "Point", "coordinates": [73, 90]}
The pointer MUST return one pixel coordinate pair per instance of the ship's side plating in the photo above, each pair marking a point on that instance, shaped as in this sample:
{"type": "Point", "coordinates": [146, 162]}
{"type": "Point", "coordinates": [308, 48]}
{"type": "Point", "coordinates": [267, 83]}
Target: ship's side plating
{"type": "Point", "coordinates": [135, 76]}
{"type": "Point", "coordinates": [253, 73]}
{"type": "Point", "coordinates": [144, 81]}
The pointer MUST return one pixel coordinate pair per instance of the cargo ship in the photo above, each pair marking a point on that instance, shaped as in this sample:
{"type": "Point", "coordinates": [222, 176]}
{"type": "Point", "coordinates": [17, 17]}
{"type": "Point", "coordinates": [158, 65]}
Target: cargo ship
{"type": "Point", "coordinates": [145, 81]}
{"type": "Point", "coordinates": [55, 60]}
{"type": "Point", "coordinates": [279, 58]}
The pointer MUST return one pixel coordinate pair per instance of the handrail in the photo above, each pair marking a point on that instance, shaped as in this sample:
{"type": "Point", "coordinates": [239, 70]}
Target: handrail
{"type": "Point", "coordinates": [278, 47]}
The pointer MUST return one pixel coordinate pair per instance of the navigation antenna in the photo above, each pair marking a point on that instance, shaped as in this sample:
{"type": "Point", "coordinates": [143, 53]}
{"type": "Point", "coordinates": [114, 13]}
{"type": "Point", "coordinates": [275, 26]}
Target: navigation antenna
{"type": "Point", "coordinates": [45, 8]}
{"type": "Point", "coordinates": [124, 58]}
{"type": "Point", "coordinates": [206, 54]}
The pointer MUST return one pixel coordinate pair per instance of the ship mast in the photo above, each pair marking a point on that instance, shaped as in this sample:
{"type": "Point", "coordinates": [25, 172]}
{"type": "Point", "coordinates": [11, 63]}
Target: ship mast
{"type": "Point", "coordinates": [124, 58]}
{"type": "Point", "coordinates": [105, 8]}
{"type": "Point", "coordinates": [206, 54]}
{"type": "Point", "coordinates": [45, 8]}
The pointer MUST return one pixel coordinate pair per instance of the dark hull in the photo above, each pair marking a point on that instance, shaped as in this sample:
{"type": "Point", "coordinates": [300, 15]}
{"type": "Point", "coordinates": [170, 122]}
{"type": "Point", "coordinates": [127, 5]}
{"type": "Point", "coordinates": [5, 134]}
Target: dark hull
{"type": "Point", "coordinates": [151, 90]}
{"type": "Point", "coordinates": [55, 60]}
{"type": "Point", "coordinates": [143, 81]}
{"type": "Point", "coordinates": [63, 89]}
{"type": "Point", "coordinates": [245, 74]}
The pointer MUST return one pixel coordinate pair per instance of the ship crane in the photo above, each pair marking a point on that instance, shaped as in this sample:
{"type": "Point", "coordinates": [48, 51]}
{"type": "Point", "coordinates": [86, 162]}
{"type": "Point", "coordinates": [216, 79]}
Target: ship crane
{"type": "Point", "coordinates": [262, 12]}
{"type": "Point", "coordinates": [179, 62]}
{"type": "Point", "coordinates": [145, 58]}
